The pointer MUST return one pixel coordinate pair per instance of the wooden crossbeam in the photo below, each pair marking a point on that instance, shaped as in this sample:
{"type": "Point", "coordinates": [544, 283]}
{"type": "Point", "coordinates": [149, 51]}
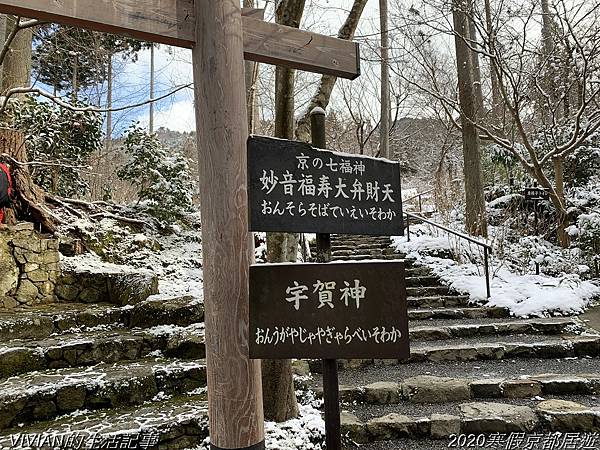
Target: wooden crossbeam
{"type": "Point", "coordinates": [173, 22]}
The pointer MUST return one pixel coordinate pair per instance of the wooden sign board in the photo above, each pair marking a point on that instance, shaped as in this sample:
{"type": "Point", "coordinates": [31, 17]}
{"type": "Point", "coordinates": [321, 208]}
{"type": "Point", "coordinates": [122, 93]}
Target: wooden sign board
{"type": "Point", "coordinates": [173, 22]}
{"type": "Point", "coordinates": [328, 311]}
{"type": "Point", "coordinates": [294, 187]}
{"type": "Point", "coordinates": [536, 194]}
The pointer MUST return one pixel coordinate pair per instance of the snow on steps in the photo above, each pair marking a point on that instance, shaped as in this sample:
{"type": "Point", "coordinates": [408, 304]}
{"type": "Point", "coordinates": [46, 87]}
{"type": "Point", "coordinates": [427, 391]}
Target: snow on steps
{"type": "Point", "coordinates": [45, 395]}
{"type": "Point", "coordinates": [488, 355]}
{"type": "Point", "coordinates": [42, 321]}
{"type": "Point", "coordinates": [90, 348]}
{"type": "Point", "coordinates": [475, 418]}
{"type": "Point", "coordinates": [178, 423]}
{"type": "Point", "coordinates": [435, 389]}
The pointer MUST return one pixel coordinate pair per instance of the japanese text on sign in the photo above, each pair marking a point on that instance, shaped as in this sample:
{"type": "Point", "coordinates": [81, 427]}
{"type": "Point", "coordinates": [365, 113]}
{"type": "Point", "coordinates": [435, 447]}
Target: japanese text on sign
{"type": "Point", "coordinates": [294, 187]}
{"type": "Point", "coordinates": [335, 310]}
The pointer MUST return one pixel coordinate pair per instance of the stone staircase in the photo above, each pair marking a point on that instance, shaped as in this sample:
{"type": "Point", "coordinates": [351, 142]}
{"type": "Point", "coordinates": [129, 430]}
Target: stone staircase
{"type": "Point", "coordinates": [473, 370]}
{"type": "Point", "coordinates": [100, 371]}
{"type": "Point", "coordinates": [94, 372]}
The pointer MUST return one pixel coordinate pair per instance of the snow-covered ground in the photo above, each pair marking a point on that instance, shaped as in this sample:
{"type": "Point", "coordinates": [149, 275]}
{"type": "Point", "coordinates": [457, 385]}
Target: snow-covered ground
{"type": "Point", "coordinates": [523, 294]}
{"type": "Point", "coordinates": [175, 256]}
{"type": "Point", "coordinates": [307, 432]}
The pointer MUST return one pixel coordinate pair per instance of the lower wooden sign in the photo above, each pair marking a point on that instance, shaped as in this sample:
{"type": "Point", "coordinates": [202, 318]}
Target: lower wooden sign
{"type": "Point", "coordinates": [329, 311]}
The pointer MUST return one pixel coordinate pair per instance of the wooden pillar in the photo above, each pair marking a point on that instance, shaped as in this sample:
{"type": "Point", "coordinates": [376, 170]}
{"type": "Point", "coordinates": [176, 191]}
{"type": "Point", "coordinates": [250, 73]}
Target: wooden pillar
{"type": "Point", "coordinates": [234, 382]}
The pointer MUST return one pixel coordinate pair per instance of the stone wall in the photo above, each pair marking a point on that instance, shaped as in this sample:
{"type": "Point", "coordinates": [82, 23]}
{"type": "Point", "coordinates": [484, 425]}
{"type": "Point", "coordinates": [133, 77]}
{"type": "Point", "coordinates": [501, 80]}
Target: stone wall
{"type": "Point", "coordinates": [29, 266]}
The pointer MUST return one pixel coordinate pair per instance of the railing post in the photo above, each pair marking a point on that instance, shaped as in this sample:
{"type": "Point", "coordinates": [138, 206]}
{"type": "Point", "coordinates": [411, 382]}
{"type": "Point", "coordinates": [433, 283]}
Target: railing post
{"type": "Point", "coordinates": [407, 228]}
{"type": "Point", "coordinates": [486, 268]}
{"type": "Point", "coordinates": [420, 204]}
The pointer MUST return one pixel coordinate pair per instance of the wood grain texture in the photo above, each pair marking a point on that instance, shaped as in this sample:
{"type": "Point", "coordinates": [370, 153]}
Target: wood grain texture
{"type": "Point", "coordinates": [287, 46]}
{"type": "Point", "coordinates": [165, 21]}
{"type": "Point", "coordinates": [172, 22]}
{"type": "Point", "coordinates": [234, 382]}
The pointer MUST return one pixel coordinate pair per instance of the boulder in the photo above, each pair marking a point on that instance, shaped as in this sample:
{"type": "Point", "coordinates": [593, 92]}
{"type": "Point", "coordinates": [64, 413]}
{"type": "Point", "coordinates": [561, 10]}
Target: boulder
{"type": "Point", "coordinates": [497, 418]}
{"type": "Point", "coordinates": [353, 428]}
{"type": "Point", "coordinates": [444, 425]}
{"type": "Point", "coordinates": [567, 416]}
{"type": "Point", "coordinates": [429, 389]}
{"type": "Point", "coordinates": [382, 393]}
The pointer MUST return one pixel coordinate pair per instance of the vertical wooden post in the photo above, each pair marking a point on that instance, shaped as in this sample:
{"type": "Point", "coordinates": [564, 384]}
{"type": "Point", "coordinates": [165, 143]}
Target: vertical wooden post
{"type": "Point", "coordinates": [331, 385]}
{"type": "Point", "coordinates": [234, 382]}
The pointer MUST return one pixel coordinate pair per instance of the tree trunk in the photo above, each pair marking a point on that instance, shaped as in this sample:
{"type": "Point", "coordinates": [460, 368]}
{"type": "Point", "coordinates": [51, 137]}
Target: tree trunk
{"type": "Point", "coordinates": [497, 104]}
{"type": "Point", "coordinates": [29, 200]}
{"type": "Point", "coordinates": [476, 222]}
{"type": "Point", "coordinates": [384, 124]}
{"type": "Point", "coordinates": [251, 75]}
{"type": "Point", "coordinates": [109, 102]}
{"type": "Point", "coordinates": [16, 70]}
{"type": "Point", "coordinates": [279, 395]}
{"type": "Point", "coordinates": [477, 87]}
{"type": "Point", "coordinates": [75, 80]}
{"type": "Point", "coordinates": [151, 109]}
{"type": "Point", "coordinates": [3, 20]}
{"type": "Point", "coordinates": [562, 218]}
{"type": "Point", "coordinates": [323, 94]}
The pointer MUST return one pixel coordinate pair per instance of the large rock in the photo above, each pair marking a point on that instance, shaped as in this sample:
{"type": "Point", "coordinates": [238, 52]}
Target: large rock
{"type": "Point", "coordinates": [497, 418]}
{"type": "Point", "coordinates": [353, 428]}
{"type": "Point", "coordinates": [443, 425]}
{"type": "Point", "coordinates": [487, 388]}
{"type": "Point", "coordinates": [382, 393]}
{"type": "Point", "coordinates": [567, 416]}
{"type": "Point", "coordinates": [131, 289]}
{"type": "Point", "coordinates": [522, 389]}
{"type": "Point", "coordinates": [182, 311]}
{"type": "Point", "coordinates": [397, 426]}
{"type": "Point", "coordinates": [429, 389]}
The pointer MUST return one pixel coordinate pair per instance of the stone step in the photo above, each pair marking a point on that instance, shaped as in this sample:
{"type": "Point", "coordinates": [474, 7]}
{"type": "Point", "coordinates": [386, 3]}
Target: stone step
{"type": "Point", "coordinates": [487, 418]}
{"type": "Point", "coordinates": [422, 281]}
{"type": "Point", "coordinates": [418, 271]}
{"type": "Point", "coordinates": [457, 313]}
{"type": "Point", "coordinates": [474, 370]}
{"type": "Point", "coordinates": [486, 348]}
{"type": "Point", "coordinates": [43, 321]}
{"type": "Point", "coordinates": [436, 301]}
{"type": "Point", "coordinates": [435, 389]}
{"type": "Point", "coordinates": [359, 246]}
{"type": "Point", "coordinates": [87, 349]}
{"type": "Point", "coordinates": [373, 253]}
{"type": "Point", "coordinates": [359, 237]}
{"type": "Point", "coordinates": [427, 291]}
{"type": "Point", "coordinates": [48, 394]}
{"type": "Point", "coordinates": [176, 423]}
{"type": "Point", "coordinates": [501, 347]}
{"type": "Point", "coordinates": [363, 257]}
{"type": "Point", "coordinates": [442, 330]}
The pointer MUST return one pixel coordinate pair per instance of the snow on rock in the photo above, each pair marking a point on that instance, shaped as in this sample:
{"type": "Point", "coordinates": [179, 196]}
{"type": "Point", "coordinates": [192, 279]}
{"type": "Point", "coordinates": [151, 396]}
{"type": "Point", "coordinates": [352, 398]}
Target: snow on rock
{"type": "Point", "coordinates": [524, 295]}
{"type": "Point", "coordinates": [176, 258]}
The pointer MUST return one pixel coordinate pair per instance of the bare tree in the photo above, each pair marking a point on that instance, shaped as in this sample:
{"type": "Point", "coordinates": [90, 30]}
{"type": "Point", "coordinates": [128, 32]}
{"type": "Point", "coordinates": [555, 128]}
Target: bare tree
{"type": "Point", "coordinates": [470, 101]}
{"type": "Point", "coordinates": [279, 395]}
{"type": "Point", "coordinates": [384, 127]}
{"type": "Point", "coordinates": [323, 94]}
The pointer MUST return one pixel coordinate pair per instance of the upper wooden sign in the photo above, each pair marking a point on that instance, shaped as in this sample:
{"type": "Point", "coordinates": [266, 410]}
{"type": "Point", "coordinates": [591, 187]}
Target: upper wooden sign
{"type": "Point", "coordinates": [293, 187]}
{"type": "Point", "coordinates": [173, 22]}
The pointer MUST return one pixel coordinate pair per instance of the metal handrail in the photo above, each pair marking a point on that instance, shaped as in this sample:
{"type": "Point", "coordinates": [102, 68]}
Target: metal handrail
{"type": "Point", "coordinates": [487, 248]}
{"type": "Point", "coordinates": [420, 197]}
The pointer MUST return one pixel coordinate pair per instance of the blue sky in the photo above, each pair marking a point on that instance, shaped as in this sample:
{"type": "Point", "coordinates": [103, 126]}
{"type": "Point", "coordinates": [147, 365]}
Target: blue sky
{"type": "Point", "coordinates": [174, 69]}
